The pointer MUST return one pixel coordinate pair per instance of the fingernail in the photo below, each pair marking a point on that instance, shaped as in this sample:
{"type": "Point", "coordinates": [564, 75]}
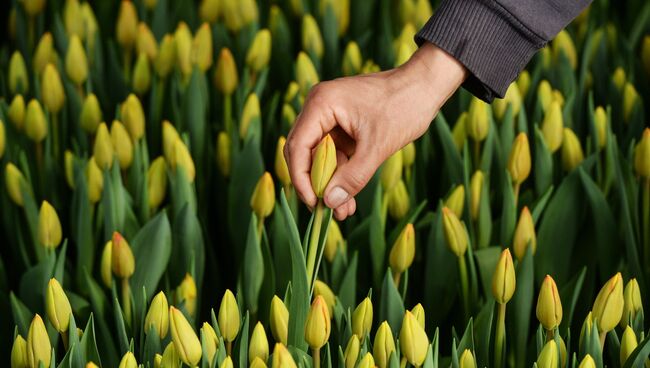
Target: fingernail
{"type": "Point", "coordinates": [336, 197]}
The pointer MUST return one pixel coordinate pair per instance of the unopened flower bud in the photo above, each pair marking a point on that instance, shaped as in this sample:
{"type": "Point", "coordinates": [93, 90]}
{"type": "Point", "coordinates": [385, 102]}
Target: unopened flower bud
{"type": "Point", "coordinates": [263, 199]}
{"type": "Point", "coordinates": [318, 324]}
{"type": "Point", "coordinates": [523, 82]}
{"type": "Point", "coordinates": [633, 304]}
{"type": "Point", "coordinates": [39, 348]}
{"type": "Point", "coordinates": [225, 76]}
{"type": "Point", "coordinates": [306, 74]}
{"type": "Point", "coordinates": [133, 117]}
{"type": "Point", "coordinates": [563, 44]}
{"type": "Point", "coordinates": [210, 341]}
{"type": "Point", "coordinates": [166, 56]}
{"type": "Point", "coordinates": [587, 362]}
{"type": "Point", "coordinates": [519, 162]}
{"type": "Point", "coordinates": [16, 111]}
{"type": "Point", "coordinates": [202, 47]}
{"type": "Point", "coordinates": [334, 241]}
{"type": "Point", "coordinates": [403, 251]}
{"type": "Point", "coordinates": [49, 226]}
{"type": "Point", "coordinates": [321, 289]}
{"type": "Point", "coordinates": [476, 189]}
{"type": "Point", "coordinates": [141, 74]}
{"type": "Point", "coordinates": [44, 52]}
{"type": "Point", "coordinates": [525, 235]}
{"type": "Point", "coordinates": [95, 181]}
{"type": "Point", "coordinates": [126, 28]}
{"type": "Point", "coordinates": [459, 132]}
{"type": "Point", "coordinates": [158, 315]}
{"type": "Point", "coordinates": [628, 344]}
{"type": "Point", "coordinates": [183, 42]}
{"type": "Point", "coordinates": [229, 318]}
{"type": "Point", "coordinates": [367, 361]}
{"type": "Point", "coordinates": [478, 124]}
{"type": "Point", "coordinates": [35, 124]}
{"type": "Point", "coordinates": [181, 158]}
{"type": "Point", "coordinates": [91, 114]}
{"type": "Point", "coordinates": [323, 165]}
{"type": "Point", "coordinates": [456, 200]}
{"type": "Point", "coordinates": [398, 201]}
{"type": "Point", "coordinates": [103, 149]}
{"type": "Point", "coordinates": [186, 294]}
{"type": "Point", "coordinates": [18, 79]}
{"type": "Point", "coordinates": [146, 42]}
{"type": "Point", "coordinates": [106, 267]}
{"type": "Point", "coordinates": [209, 10]}
{"type": "Point", "coordinates": [572, 154]}
{"type": "Point", "coordinates": [467, 359]}
{"type": "Point", "coordinates": [312, 40]}
{"type": "Point", "coordinates": [282, 358]}
{"type": "Point", "coordinates": [122, 260]}
{"type": "Point", "coordinates": [642, 155]}
{"type": "Point", "coordinates": [548, 357]}
{"type": "Point", "coordinates": [259, 344]}
{"type": "Point", "coordinates": [76, 63]}
{"type": "Point", "coordinates": [122, 145]}
{"type": "Point", "coordinates": [351, 353]}
{"type": "Point", "coordinates": [455, 233]}
{"type": "Point", "coordinates": [57, 306]}
{"type": "Point", "coordinates": [630, 99]}
{"type": "Point", "coordinates": [512, 98]}
{"type": "Point", "coordinates": [281, 168]}
{"type": "Point", "coordinates": [279, 320]}
{"type": "Point", "coordinates": [414, 342]}
{"type": "Point", "coordinates": [251, 115]}
{"type": "Point", "coordinates": [362, 318]}
{"type": "Point", "coordinates": [608, 306]}
{"type": "Point", "coordinates": [600, 125]}
{"type": "Point", "coordinates": [352, 59]}
{"type": "Point", "coordinates": [52, 92]}
{"type": "Point", "coordinates": [552, 126]}
{"type": "Point", "coordinates": [503, 279]}
{"type": "Point", "coordinates": [549, 305]}
{"type": "Point", "coordinates": [391, 171]}
{"type": "Point", "coordinates": [186, 342]}
{"type": "Point", "coordinates": [384, 345]}
{"type": "Point", "coordinates": [19, 353]}
{"type": "Point", "coordinates": [157, 182]}
{"type": "Point", "coordinates": [259, 52]}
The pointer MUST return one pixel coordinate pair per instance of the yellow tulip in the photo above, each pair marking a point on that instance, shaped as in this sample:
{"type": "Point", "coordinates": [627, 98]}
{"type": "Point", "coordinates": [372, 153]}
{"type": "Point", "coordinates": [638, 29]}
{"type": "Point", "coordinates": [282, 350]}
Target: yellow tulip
{"type": "Point", "coordinates": [16, 111]}
{"type": "Point", "coordinates": [259, 344]}
{"type": "Point", "coordinates": [476, 189]}
{"type": "Point", "coordinates": [282, 358]}
{"type": "Point", "coordinates": [122, 145]}
{"type": "Point", "coordinates": [210, 341]}
{"type": "Point", "coordinates": [549, 305]}
{"type": "Point", "coordinates": [18, 79]}
{"type": "Point", "coordinates": [251, 115]}
{"type": "Point", "coordinates": [166, 56]}
{"type": "Point", "coordinates": [35, 124]}
{"type": "Point", "coordinates": [572, 154]}
{"type": "Point", "coordinates": [477, 120]}
{"type": "Point", "coordinates": [587, 362]}
{"type": "Point", "coordinates": [209, 10]}
{"type": "Point", "coordinates": [552, 126]}
{"type": "Point", "coordinates": [158, 316]}
{"type": "Point", "coordinates": [642, 155]}
{"type": "Point", "coordinates": [391, 171]}
{"type": "Point", "coordinates": [44, 53]}
{"type": "Point", "coordinates": [563, 44]}
{"type": "Point", "coordinates": [279, 320]}
{"type": "Point", "coordinates": [183, 42]}
{"type": "Point", "coordinates": [503, 279]}
{"type": "Point", "coordinates": [317, 325]}
{"type": "Point", "coordinates": [414, 342]}
{"type": "Point", "coordinates": [467, 359]}
{"type": "Point", "coordinates": [367, 361]}
{"type": "Point", "coordinates": [523, 82]}
{"type": "Point", "coordinates": [186, 342]}
{"type": "Point", "coordinates": [259, 52]}
{"type": "Point", "coordinates": [280, 164]}
{"type": "Point", "coordinates": [128, 361]}
{"type": "Point", "coordinates": [403, 251]}
{"type": "Point", "coordinates": [398, 201]}
{"type": "Point", "coordinates": [548, 356]}
{"type": "Point", "coordinates": [146, 42]}
{"type": "Point", "coordinates": [351, 353]}
{"type": "Point", "coordinates": [524, 235]}
{"type": "Point", "coordinates": [95, 180]}
{"type": "Point", "coordinates": [15, 183]}
{"type": "Point", "coordinates": [225, 76]}
{"type": "Point", "coordinates": [126, 28]}
{"type": "Point", "coordinates": [157, 182]}
{"type": "Point", "coordinates": [103, 149]}
{"type": "Point", "coordinates": [384, 345]}
{"type": "Point", "coordinates": [312, 40]}
{"type": "Point", "coordinates": [455, 233]}
{"type": "Point", "coordinates": [76, 64]}
{"type": "Point", "coordinates": [608, 306]}
{"type": "Point", "coordinates": [57, 306]}
{"type": "Point", "coordinates": [133, 116]}
{"type": "Point", "coordinates": [49, 226]}
{"type": "Point", "coordinates": [600, 125]}
{"type": "Point", "coordinates": [362, 319]}
{"type": "Point", "coordinates": [229, 318]}
{"type": "Point", "coordinates": [141, 74]}
{"type": "Point", "coordinates": [306, 74]}
{"type": "Point", "coordinates": [202, 48]}
{"type": "Point", "coordinates": [456, 200]}
{"type": "Point", "coordinates": [106, 267]}
{"type": "Point", "coordinates": [519, 163]}
{"type": "Point", "coordinates": [39, 348]}
{"type": "Point", "coordinates": [91, 114]}
{"type": "Point", "coordinates": [323, 165]}
{"type": "Point", "coordinates": [186, 294]}
{"type": "Point", "coordinates": [122, 260]}
{"type": "Point", "coordinates": [334, 241]}
{"type": "Point", "coordinates": [633, 303]}
{"type": "Point", "coordinates": [352, 59]}
{"type": "Point", "coordinates": [19, 353]}
{"type": "Point", "coordinates": [181, 158]}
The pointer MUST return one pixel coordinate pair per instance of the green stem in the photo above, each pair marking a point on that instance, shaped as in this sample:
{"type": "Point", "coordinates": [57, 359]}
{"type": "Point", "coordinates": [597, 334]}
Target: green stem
{"type": "Point", "coordinates": [228, 348]}
{"type": "Point", "coordinates": [313, 241]}
{"type": "Point", "coordinates": [396, 277]}
{"type": "Point", "coordinates": [55, 133]}
{"type": "Point", "coordinates": [316, 357]}
{"type": "Point", "coordinates": [500, 340]}
{"type": "Point", "coordinates": [227, 113]}
{"type": "Point", "coordinates": [127, 66]}
{"type": "Point", "coordinates": [477, 154]}
{"type": "Point", "coordinates": [260, 227]}
{"type": "Point", "coordinates": [602, 340]}
{"type": "Point", "coordinates": [464, 283]}
{"type": "Point", "coordinates": [126, 299]}
{"type": "Point", "coordinates": [515, 189]}
{"type": "Point", "coordinates": [384, 208]}
{"type": "Point", "coordinates": [40, 165]}
{"type": "Point", "coordinates": [64, 337]}
{"type": "Point", "coordinates": [646, 221]}
{"type": "Point", "coordinates": [550, 335]}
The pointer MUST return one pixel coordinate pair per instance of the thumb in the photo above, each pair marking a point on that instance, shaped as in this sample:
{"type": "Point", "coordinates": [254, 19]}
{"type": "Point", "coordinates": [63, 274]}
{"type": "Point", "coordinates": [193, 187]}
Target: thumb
{"type": "Point", "coordinates": [350, 178]}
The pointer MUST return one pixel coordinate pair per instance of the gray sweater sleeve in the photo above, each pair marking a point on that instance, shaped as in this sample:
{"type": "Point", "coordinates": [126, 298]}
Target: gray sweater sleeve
{"type": "Point", "coordinates": [495, 39]}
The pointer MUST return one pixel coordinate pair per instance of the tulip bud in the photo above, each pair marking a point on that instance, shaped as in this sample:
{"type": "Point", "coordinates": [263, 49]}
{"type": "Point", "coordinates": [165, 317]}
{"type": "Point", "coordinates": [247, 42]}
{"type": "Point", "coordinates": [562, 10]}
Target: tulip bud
{"type": "Point", "coordinates": [367, 361]}
{"type": "Point", "coordinates": [403, 251]}
{"type": "Point", "coordinates": [524, 235]}
{"type": "Point", "coordinates": [563, 44]}
{"type": "Point", "coordinates": [229, 318]}
{"type": "Point", "coordinates": [587, 362]}
{"type": "Point", "coordinates": [122, 260]}
{"type": "Point", "coordinates": [512, 98]}
{"type": "Point", "coordinates": [633, 304]}
{"type": "Point", "coordinates": [455, 233]}
{"type": "Point", "coordinates": [323, 165]}
{"type": "Point", "coordinates": [106, 267]}
{"type": "Point", "coordinates": [352, 59]}
{"type": "Point", "coordinates": [628, 344]}
{"type": "Point", "coordinates": [281, 169]}
{"type": "Point", "coordinates": [146, 42]}
{"type": "Point", "coordinates": [552, 126]}
{"type": "Point", "coordinates": [288, 115]}
{"type": "Point", "coordinates": [630, 99]}
{"type": "Point", "coordinates": [141, 74]}
{"type": "Point", "coordinates": [33, 8]}
{"type": "Point", "coordinates": [282, 358]}
{"type": "Point", "coordinates": [259, 345]}
{"type": "Point", "coordinates": [44, 53]}
{"type": "Point", "coordinates": [549, 305]}
{"type": "Point", "coordinates": [312, 40]}
{"type": "Point", "coordinates": [259, 52]}
{"type": "Point", "coordinates": [263, 198]}
{"type": "Point", "coordinates": [170, 357]}
{"type": "Point", "coordinates": [503, 279]}
{"type": "Point", "coordinates": [341, 9]}
{"type": "Point", "coordinates": [306, 74]}
{"type": "Point", "coordinates": [523, 83]}
{"type": "Point", "coordinates": [548, 356]}
{"type": "Point", "coordinates": [182, 158]}
{"type": "Point", "coordinates": [76, 64]}
{"type": "Point", "coordinates": [170, 136]}
{"type": "Point", "coordinates": [250, 116]}
{"type": "Point", "coordinates": [103, 149]}
{"type": "Point", "coordinates": [16, 111]}
{"type": "Point", "coordinates": [95, 181]}
{"type": "Point", "coordinates": [201, 53]}
{"type": "Point", "coordinates": [456, 201]}
{"type": "Point", "coordinates": [292, 92]}
{"type": "Point", "coordinates": [351, 353]}
{"type": "Point", "coordinates": [519, 161]}
{"type": "Point", "coordinates": [418, 313]}
{"type": "Point", "coordinates": [476, 187]}
{"type": "Point", "coordinates": [362, 319]}
{"type": "Point", "coordinates": [35, 124]}
{"type": "Point", "coordinates": [321, 288]}
{"type": "Point", "coordinates": [619, 78]}
{"type": "Point", "coordinates": [317, 325]}
{"type": "Point", "coordinates": [133, 116]}
{"type": "Point", "coordinates": [52, 92]}
{"type": "Point", "coordinates": [459, 132]}
{"type": "Point", "coordinates": [39, 349]}
{"type": "Point", "coordinates": [477, 120]}
{"type": "Point", "coordinates": [128, 361]}
{"type": "Point", "coordinates": [572, 154]}
{"type": "Point", "coordinates": [183, 41]}
{"type": "Point", "coordinates": [122, 144]}
{"type": "Point", "coordinates": [158, 315]}
{"type": "Point", "coordinates": [164, 61]}
{"type": "Point", "coordinates": [600, 125]}
{"type": "Point", "coordinates": [279, 320]}
{"type": "Point", "coordinates": [2, 139]}
{"type": "Point", "coordinates": [126, 28]}
{"type": "Point", "coordinates": [414, 342]}
{"type": "Point", "coordinates": [186, 342]}
{"type": "Point", "coordinates": [186, 294]}
{"type": "Point", "coordinates": [408, 155]}
{"type": "Point", "coordinates": [18, 79]}
{"type": "Point", "coordinates": [334, 241]}
{"type": "Point", "coordinates": [14, 181]}
{"type": "Point", "coordinates": [608, 306]}
{"type": "Point", "coordinates": [225, 76]}
{"type": "Point", "coordinates": [209, 10]}
{"type": "Point", "coordinates": [157, 182]}
{"type": "Point", "coordinates": [68, 164]}
{"type": "Point", "coordinates": [49, 227]}
{"type": "Point", "coordinates": [398, 201]}
{"type": "Point", "coordinates": [209, 341]}
{"type": "Point", "coordinates": [467, 359]}
{"type": "Point", "coordinates": [258, 363]}
{"type": "Point", "coordinates": [57, 306]}
{"type": "Point", "coordinates": [384, 345]}
{"type": "Point", "coordinates": [544, 94]}
{"type": "Point", "coordinates": [391, 171]}
{"type": "Point", "coordinates": [19, 353]}
{"type": "Point", "coordinates": [642, 155]}
{"type": "Point", "coordinates": [73, 19]}
{"type": "Point", "coordinates": [91, 114]}
{"type": "Point", "coordinates": [89, 26]}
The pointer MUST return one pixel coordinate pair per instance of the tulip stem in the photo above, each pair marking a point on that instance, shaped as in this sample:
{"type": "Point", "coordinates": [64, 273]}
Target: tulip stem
{"type": "Point", "coordinates": [55, 133]}
{"type": "Point", "coordinates": [228, 348]}
{"type": "Point", "coordinates": [314, 236]}
{"type": "Point", "coordinates": [602, 340]}
{"type": "Point", "coordinates": [516, 186]}
{"type": "Point", "coordinates": [316, 356]}
{"type": "Point", "coordinates": [260, 227]}
{"type": "Point", "coordinates": [39, 163]}
{"type": "Point", "coordinates": [550, 335]}
{"type": "Point", "coordinates": [227, 113]}
{"type": "Point", "coordinates": [477, 154]}
{"type": "Point", "coordinates": [126, 299]}
{"type": "Point", "coordinates": [396, 277]}
{"type": "Point", "coordinates": [464, 283]}
{"type": "Point", "coordinates": [500, 340]}
{"type": "Point", "coordinates": [64, 338]}
{"type": "Point", "coordinates": [402, 362]}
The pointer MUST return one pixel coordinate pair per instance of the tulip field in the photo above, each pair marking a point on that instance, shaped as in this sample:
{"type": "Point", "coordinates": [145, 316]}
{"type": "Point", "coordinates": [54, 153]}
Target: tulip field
{"type": "Point", "coordinates": [148, 218]}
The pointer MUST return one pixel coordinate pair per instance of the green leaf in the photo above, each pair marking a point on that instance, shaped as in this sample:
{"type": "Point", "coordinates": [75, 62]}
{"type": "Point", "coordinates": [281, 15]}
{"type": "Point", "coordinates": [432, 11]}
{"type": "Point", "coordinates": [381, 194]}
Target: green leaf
{"type": "Point", "coordinates": [452, 160]}
{"type": "Point", "coordinates": [348, 290]}
{"type": "Point", "coordinates": [520, 307]}
{"type": "Point", "coordinates": [81, 218]}
{"type": "Point", "coordinates": [487, 260]}
{"type": "Point", "coordinates": [34, 281]}
{"type": "Point", "coordinates": [188, 247]}
{"type": "Point", "coordinates": [377, 239]}
{"type": "Point", "coordinates": [482, 333]}
{"type": "Point", "coordinates": [391, 307]}
{"type": "Point", "coordinates": [639, 355]}
{"type": "Point", "coordinates": [22, 316]}
{"type": "Point", "coordinates": [543, 164]}
{"type": "Point", "coordinates": [253, 267]}
{"type": "Point", "coordinates": [569, 294]}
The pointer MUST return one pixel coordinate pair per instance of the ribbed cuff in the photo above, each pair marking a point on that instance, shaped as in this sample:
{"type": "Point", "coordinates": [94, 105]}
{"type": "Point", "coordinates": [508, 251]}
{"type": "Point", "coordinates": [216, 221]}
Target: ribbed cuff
{"type": "Point", "coordinates": [492, 44]}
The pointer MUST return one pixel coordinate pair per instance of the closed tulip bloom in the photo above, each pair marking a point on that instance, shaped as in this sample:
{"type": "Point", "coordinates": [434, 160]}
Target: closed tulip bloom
{"type": "Point", "coordinates": [503, 279]}
{"type": "Point", "coordinates": [16, 111]}
{"type": "Point", "coordinates": [619, 78]}
{"type": "Point", "coordinates": [476, 189]}
{"type": "Point", "coordinates": [362, 319]}
{"type": "Point", "coordinates": [259, 52]}
{"type": "Point", "coordinates": [106, 268]}
{"type": "Point", "coordinates": [126, 28]}
{"type": "Point", "coordinates": [18, 79]}
{"type": "Point", "coordinates": [227, 363]}
{"type": "Point", "coordinates": [91, 114]}
{"type": "Point", "coordinates": [14, 182]}
{"type": "Point", "coordinates": [223, 153]}
{"type": "Point", "coordinates": [170, 357]}
{"type": "Point", "coordinates": [600, 123]}
{"type": "Point", "coordinates": [209, 10]}
{"type": "Point", "coordinates": [158, 315]}
{"type": "Point", "coordinates": [306, 74]}
{"type": "Point", "coordinates": [282, 358]}
{"type": "Point", "coordinates": [608, 306]}
{"type": "Point", "coordinates": [519, 162]}
{"type": "Point", "coordinates": [548, 356]}
{"type": "Point", "coordinates": [418, 313]}
{"type": "Point", "coordinates": [351, 353]}
{"type": "Point", "coordinates": [563, 44]}
{"type": "Point", "coordinates": [210, 341]}
{"type": "Point", "coordinates": [317, 325]}
{"type": "Point", "coordinates": [384, 345]}
{"type": "Point", "coordinates": [456, 200]}
{"type": "Point", "coordinates": [280, 164]}
{"type": "Point", "coordinates": [628, 344]}
{"type": "Point", "coordinates": [633, 304]}
{"type": "Point", "coordinates": [202, 48]}
{"type": "Point", "coordinates": [49, 226]}
{"type": "Point", "coordinates": [587, 362]}
{"type": "Point", "coordinates": [181, 158]}
{"type": "Point", "coordinates": [312, 40]}
{"type": "Point", "coordinates": [544, 94]}
{"type": "Point", "coordinates": [229, 317]}
{"type": "Point", "coordinates": [467, 359]}
{"type": "Point", "coordinates": [455, 233]}
{"type": "Point", "coordinates": [141, 74]}
{"type": "Point", "coordinates": [165, 57]}
{"type": "Point", "coordinates": [367, 361]}
{"type": "Point", "coordinates": [44, 53]}
{"type": "Point", "coordinates": [459, 132]}
{"type": "Point", "coordinates": [414, 342]}
{"type": "Point", "coordinates": [523, 83]}
{"type": "Point", "coordinates": [39, 348]}
{"type": "Point", "coordinates": [186, 342]}
{"type": "Point", "coordinates": [68, 165]}
{"type": "Point", "coordinates": [352, 59]}
{"type": "Point", "coordinates": [122, 145]}
{"type": "Point", "coordinates": [334, 241]}
{"type": "Point", "coordinates": [52, 92]}
{"type": "Point", "coordinates": [33, 8]}
{"type": "Point", "coordinates": [225, 76]}
{"type": "Point", "coordinates": [258, 363]}
{"type": "Point", "coordinates": [186, 294]}
{"type": "Point", "coordinates": [250, 115]}
{"type": "Point", "coordinates": [552, 126]}
{"type": "Point", "coordinates": [19, 353]}
{"type": "Point", "coordinates": [549, 305]}
{"type": "Point", "coordinates": [35, 124]}
{"type": "Point", "coordinates": [323, 165]}
{"type": "Point", "coordinates": [398, 201]}
{"type": "Point", "coordinates": [122, 260]}
{"type": "Point", "coordinates": [183, 41]}
{"type": "Point", "coordinates": [642, 155]}
{"type": "Point", "coordinates": [128, 361]}
{"type": "Point", "coordinates": [103, 149]}
{"type": "Point", "coordinates": [572, 154]}
{"type": "Point", "coordinates": [403, 251]}
{"type": "Point", "coordinates": [288, 115]}
{"type": "Point", "coordinates": [157, 182]}
{"type": "Point", "coordinates": [478, 124]}
{"type": "Point", "coordinates": [279, 320]}
{"type": "Point", "coordinates": [133, 116]}
{"type": "Point", "coordinates": [95, 181]}
{"type": "Point", "coordinates": [512, 98]}
{"type": "Point", "coordinates": [259, 345]}
{"type": "Point", "coordinates": [146, 42]}
{"type": "Point", "coordinates": [525, 235]}
{"type": "Point", "coordinates": [57, 306]}
{"type": "Point", "coordinates": [341, 9]}
{"type": "Point", "coordinates": [321, 289]}
{"type": "Point", "coordinates": [170, 136]}
{"type": "Point", "coordinates": [404, 52]}
{"type": "Point", "coordinates": [76, 64]}
{"type": "Point", "coordinates": [391, 171]}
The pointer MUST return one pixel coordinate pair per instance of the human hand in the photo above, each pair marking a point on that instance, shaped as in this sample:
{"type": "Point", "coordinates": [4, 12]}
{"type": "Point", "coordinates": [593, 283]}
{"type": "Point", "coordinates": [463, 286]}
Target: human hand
{"type": "Point", "coordinates": [369, 117]}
